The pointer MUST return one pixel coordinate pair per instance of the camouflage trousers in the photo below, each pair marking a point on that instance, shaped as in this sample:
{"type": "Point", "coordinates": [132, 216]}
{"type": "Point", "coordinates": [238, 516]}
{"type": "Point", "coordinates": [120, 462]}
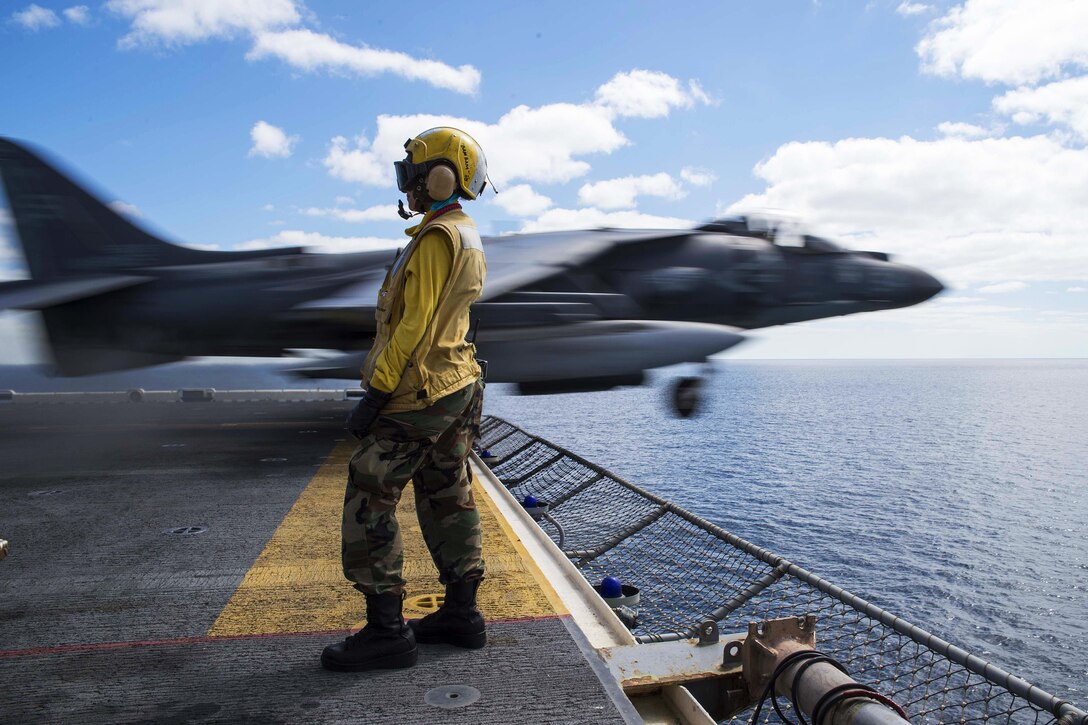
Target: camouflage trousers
{"type": "Point", "coordinates": [429, 447]}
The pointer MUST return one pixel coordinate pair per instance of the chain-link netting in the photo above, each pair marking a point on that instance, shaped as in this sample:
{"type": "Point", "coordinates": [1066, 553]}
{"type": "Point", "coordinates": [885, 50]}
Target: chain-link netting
{"type": "Point", "coordinates": [690, 570]}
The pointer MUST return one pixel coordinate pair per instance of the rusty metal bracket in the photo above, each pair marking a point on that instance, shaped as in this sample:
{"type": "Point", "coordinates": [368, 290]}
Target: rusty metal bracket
{"type": "Point", "coordinates": [764, 646]}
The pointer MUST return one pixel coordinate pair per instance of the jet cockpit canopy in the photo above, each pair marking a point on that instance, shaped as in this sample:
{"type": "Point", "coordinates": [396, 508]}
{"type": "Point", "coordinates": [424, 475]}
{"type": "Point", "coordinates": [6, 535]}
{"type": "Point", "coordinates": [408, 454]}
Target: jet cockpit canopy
{"type": "Point", "coordinates": [778, 228]}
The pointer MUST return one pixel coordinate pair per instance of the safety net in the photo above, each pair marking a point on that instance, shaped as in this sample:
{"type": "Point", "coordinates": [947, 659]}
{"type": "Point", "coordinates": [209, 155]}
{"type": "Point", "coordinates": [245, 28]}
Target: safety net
{"type": "Point", "coordinates": [690, 571]}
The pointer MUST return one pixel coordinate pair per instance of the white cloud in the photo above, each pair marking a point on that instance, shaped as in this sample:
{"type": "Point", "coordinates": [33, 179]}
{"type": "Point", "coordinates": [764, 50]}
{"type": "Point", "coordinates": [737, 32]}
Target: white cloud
{"type": "Point", "coordinates": [125, 209]}
{"type": "Point", "coordinates": [79, 14]}
{"type": "Point", "coordinates": [908, 8]}
{"type": "Point", "coordinates": [537, 144]}
{"type": "Point", "coordinates": [1062, 102]}
{"type": "Point", "coordinates": [309, 51]}
{"type": "Point", "coordinates": [563, 219]}
{"type": "Point", "coordinates": [521, 201]}
{"type": "Point", "coordinates": [1007, 41]}
{"type": "Point", "coordinates": [931, 330]}
{"type": "Point", "coordinates": [621, 193]}
{"type": "Point", "coordinates": [972, 212]}
{"type": "Point", "coordinates": [648, 94]}
{"type": "Point", "coordinates": [698, 177]}
{"type": "Point", "coordinates": [270, 141]}
{"type": "Point", "coordinates": [344, 200]}
{"type": "Point", "coordinates": [927, 331]}
{"type": "Point", "coordinates": [321, 242]}
{"type": "Point", "coordinates": [274, 28]}
{"type": "Point", "coordinates": [951, 311]}
{"type": "Point", "coordinates": [1003, 288]}
{"type": "Point", "coordinates": [382, 212]}
{"type": "Point", "coordinates": [962, 130]}
{"type": "Point", "coordinates": [357, 162]}
{"type": "Point", "coordinates": [269, 207]}
{"type": "Point", "coordinates": [1077, 289]}
{"type": "Point", "coordinates": [179, 22]}
{"type": "Point", "coordinates": [35, 17]}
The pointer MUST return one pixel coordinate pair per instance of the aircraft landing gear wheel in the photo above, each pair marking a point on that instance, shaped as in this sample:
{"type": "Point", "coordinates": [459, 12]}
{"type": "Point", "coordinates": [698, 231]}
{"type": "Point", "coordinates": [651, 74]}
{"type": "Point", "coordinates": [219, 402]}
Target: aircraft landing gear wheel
{"type": "Point", "coordinates": [686, 396]}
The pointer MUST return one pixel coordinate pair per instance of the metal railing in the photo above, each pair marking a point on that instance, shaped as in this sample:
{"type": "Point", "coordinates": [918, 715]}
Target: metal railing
{"type": "Point", "coordinates": [690, 570]}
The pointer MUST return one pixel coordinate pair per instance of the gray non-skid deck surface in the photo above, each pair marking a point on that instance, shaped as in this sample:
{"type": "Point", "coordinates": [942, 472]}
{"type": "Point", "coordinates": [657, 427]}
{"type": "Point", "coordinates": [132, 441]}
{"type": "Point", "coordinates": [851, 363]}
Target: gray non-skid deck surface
{"type": "Point", "coordinates": [529, 672]}
{"type": "Point", "coordinates": [86, 494]}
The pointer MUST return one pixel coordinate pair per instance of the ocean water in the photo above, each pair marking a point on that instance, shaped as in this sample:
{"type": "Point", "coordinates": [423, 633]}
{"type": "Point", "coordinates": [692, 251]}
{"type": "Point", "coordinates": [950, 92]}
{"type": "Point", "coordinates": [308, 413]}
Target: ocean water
{"type": "Point", "coordinates": [953, 493]}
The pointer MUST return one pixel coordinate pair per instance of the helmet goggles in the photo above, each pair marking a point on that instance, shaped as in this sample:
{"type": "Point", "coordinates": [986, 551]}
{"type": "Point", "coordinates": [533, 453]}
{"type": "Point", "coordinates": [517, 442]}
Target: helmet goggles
{"type": "Point", "coordinates": [407, 172]}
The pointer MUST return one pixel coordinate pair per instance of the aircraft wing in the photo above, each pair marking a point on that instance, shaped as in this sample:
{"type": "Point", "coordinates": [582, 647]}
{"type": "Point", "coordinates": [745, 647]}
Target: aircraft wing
{"type": "Point", "coordinates": [351, 303]}
{"type": "Point", "coordinates": [513, 262]}
{"type": "Point", "coordinates": [518, 260]}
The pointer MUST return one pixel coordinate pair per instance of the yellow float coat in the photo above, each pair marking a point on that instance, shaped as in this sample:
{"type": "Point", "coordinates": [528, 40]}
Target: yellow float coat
{"type": "Point", "coordinates": [420, 353]}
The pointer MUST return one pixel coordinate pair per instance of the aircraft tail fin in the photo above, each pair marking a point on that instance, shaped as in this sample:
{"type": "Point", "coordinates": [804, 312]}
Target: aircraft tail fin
{"type": "Point", "coordinates": [66, 231]}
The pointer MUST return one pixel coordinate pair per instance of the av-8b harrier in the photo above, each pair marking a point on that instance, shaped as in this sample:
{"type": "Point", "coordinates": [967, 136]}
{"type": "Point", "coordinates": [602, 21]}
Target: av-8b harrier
{"type": "Point", "coordinates": [560, 312]}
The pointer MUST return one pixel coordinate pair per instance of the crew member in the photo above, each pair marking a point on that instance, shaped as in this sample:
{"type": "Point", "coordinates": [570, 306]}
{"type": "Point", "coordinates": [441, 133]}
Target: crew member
{"type": "Point", "coordinates": [419, 416]}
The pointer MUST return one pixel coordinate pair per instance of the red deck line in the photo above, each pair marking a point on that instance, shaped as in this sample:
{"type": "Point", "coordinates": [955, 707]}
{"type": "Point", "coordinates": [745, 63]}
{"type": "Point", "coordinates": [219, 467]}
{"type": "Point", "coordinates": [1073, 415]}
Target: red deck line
{"type": "Point", "coordinates": [206, 639]}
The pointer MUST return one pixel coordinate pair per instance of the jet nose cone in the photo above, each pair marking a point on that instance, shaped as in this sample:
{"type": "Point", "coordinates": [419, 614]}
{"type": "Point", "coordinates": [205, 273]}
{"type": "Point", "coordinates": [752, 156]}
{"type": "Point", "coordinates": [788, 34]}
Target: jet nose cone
{"type": "Point", "coordinates": [925, 286]}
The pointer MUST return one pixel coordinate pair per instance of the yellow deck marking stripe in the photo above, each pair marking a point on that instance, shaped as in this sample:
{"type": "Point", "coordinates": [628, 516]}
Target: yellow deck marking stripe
{"type": "Point", "coordinates": [296, 584]}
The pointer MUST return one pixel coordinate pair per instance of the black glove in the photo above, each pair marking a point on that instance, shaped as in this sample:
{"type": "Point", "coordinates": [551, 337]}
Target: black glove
{"type": "Point", "coordinates": [366, 412]}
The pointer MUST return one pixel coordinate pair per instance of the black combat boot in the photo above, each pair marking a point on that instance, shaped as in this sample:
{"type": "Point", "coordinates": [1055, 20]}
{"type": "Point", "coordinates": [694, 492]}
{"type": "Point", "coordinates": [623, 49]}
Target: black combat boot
{"type": "Point", "coordinates": [457, 621]}
{"type": "Point", "coordinates": [385, 643]}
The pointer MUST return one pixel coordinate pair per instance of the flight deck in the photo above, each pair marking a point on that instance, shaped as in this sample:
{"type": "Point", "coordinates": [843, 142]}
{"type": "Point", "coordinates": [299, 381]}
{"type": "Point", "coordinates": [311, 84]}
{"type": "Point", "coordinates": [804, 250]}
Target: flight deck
{"type": "Point", "coordinates": [174, 557]}
{"type": "Point", "coordinates": [181, 563]}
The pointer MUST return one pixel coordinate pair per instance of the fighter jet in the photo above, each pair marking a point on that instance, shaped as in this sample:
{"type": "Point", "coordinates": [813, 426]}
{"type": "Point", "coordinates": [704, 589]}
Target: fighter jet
{"type": "Point", "coordinates": [560, 312]}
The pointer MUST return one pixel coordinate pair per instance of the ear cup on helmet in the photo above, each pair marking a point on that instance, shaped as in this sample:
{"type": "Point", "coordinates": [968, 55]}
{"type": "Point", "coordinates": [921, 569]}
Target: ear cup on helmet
{"type": "Point", "coordinates": [441, 182]}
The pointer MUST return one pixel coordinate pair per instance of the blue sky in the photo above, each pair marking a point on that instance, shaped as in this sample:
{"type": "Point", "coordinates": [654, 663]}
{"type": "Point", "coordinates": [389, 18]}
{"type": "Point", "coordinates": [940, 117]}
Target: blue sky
{"type": "Point", "coordinates": [951, 134]}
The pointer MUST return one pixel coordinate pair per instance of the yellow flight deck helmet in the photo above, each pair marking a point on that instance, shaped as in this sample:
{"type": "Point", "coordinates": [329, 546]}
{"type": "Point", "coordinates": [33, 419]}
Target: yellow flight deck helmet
{"type": "Point", "coordinates": [449, 160]}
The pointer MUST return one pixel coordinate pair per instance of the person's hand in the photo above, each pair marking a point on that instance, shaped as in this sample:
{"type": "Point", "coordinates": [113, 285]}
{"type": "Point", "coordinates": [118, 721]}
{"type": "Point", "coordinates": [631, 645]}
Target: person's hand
{"type": "Point", "coordinates": [366, 412]}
